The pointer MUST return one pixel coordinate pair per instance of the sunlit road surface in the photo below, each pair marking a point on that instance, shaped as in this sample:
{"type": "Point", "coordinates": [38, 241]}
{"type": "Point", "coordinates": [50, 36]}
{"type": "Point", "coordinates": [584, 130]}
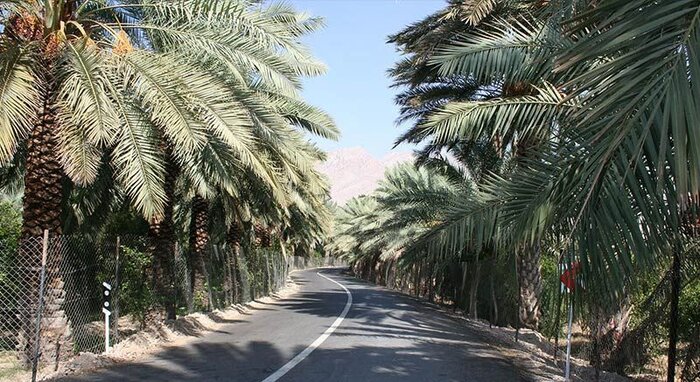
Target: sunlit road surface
{"type": "Point", "coordinates": [383, 336]}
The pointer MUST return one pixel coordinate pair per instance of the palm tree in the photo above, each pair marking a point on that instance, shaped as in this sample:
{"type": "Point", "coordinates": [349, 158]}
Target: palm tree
{"type": "Point", "coordinates": [291, 206]}
{"type": "Point", "coordinates": [642, 140]}
{"type": "Point", "coordinates": [144, 87]}
{"type": "Point", "coordinates": [382, 227]}
{"type": "Point", "coordinates": [619, 176]}
{"type": "Point", "coordinates": [486, 79]}
{"type": "Point", "coordinates": [198, 243]}
{"type": "Point", "coordinates": [291, 159]}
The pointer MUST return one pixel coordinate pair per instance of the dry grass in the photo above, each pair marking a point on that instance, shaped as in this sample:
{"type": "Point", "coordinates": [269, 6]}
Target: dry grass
{"type": "Point", "coordinates": [10, 367]}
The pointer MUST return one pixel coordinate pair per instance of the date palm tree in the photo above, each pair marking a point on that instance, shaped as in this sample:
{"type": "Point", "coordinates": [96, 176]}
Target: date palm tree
{"type": "Point", "coordinates": [280, 122]}
{"type": "Point", "coordinates": [642, 142]}
{"type": "Point", "coordinates": [384, 225]}
{"type": "Point", "coordinates": [485, 78]}
{"type": "Point", "coordinates": [148, 88]}
{"type": "Point", "coordinates": [618, 174]}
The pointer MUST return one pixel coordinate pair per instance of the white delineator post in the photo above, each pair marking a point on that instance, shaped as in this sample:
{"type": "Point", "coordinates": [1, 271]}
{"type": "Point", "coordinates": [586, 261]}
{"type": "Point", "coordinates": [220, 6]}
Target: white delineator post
{"type": "Point", "coordinates": [106, 295]}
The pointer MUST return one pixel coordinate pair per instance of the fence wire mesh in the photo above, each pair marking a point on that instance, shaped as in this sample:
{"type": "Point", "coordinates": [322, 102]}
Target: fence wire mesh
{"type": "Point", "coordinates": [20, 275]}
{"type": "Point", "coordinates": [51, 292]}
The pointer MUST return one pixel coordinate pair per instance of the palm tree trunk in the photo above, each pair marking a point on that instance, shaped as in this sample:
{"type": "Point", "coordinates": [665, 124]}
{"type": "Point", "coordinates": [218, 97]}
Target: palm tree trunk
{"type": "Point", "coordinates": [530, 285]}
{"type": "Point", "coordinates": [263, 236]}
{"type": "Point", "coordinates": [43, 190]}
{"type": "Point", "coordinates": [474, 290]}
{"type": "Point", "coordinates": [42, 208]}
{"type": "Point", "coordinates": [233, 241]}
{"type": "Point", "coordinates": [199, 240]}
{"type": "Point", "coordinates": [431, 283]}
{"type": "Point", "coordinates": [227, 278]}
{"type": "Point", "coordinates": [494, 300]}
{"type": "Point", "coordinates": [162, 235]}
{"type": "Point", "coordinates": [463, 271]}
{"type": "Point", "coordinates": [529, 271]}
{"type": "Point", "coordinates": [416, 279]}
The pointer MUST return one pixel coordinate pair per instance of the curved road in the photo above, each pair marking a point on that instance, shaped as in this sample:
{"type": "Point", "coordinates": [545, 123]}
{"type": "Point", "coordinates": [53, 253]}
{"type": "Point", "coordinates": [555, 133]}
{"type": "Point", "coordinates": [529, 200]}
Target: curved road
{"type": "Point", "coordinates": [385, 336]}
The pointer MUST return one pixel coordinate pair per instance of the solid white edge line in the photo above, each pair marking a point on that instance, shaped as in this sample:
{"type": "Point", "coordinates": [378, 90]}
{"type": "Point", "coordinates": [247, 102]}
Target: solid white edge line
{"type": "Point", "coordinates": [305, 353]}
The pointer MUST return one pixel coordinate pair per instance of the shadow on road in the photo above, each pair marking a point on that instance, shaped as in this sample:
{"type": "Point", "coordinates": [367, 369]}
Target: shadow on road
{"type": "Point", "coordinates": [255, 361]}
{"type": "Point", "coordinates": [385, 337]}
{"type": "Point", "coordinates": [204, 361]}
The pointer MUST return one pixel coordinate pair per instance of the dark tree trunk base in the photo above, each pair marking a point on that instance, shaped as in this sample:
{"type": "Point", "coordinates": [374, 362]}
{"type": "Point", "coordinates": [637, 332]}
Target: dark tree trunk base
{"type": "Point", "coordinates": [162, 235]}
{"type": "Point", "coordinates": [530, 285]}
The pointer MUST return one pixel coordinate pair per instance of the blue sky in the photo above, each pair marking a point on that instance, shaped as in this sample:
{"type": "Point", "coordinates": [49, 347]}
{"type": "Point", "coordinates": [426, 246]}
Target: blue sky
{"type": "Point", "coordinates": [355, 91]}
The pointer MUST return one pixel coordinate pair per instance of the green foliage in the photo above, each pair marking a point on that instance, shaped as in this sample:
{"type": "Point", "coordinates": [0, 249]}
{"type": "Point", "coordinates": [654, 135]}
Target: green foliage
{"type": "Point", "coordinates": [689, 311]}
{"type": "Point", "coordinates": [10, 228]}
{"type": "Point", "coordinates": [132, 79]}
{"type": "Point", "coordinates": [124, 222]}
{"type": "Point", "coordinates": [135, 294]}
{"type": "Point", "coordinates": [551, 294]}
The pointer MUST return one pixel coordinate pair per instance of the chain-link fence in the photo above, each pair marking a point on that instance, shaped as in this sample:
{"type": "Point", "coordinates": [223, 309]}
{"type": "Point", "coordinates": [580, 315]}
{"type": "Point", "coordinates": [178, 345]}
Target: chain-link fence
{"type": "Point", "coordinates": [52, 292]}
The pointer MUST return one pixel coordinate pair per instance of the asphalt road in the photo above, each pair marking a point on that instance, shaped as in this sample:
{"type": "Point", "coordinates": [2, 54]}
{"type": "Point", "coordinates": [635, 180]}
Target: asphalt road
{"type": "Point", "coordinates": [385, 336]}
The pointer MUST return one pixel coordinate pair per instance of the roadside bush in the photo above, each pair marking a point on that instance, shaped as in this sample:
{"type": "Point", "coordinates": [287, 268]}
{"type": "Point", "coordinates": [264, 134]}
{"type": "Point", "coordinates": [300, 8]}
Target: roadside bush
{"type": "Point", "coordinates": [135, 294]}
{"type": "Point", "coordinates": [689, 311]}
{"type": "Point", "coordinates": [10, 228]}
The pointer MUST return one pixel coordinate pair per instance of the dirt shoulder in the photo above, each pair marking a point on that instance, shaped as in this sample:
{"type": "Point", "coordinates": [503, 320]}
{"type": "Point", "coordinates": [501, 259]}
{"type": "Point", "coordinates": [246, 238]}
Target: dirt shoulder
{"type": "Point", "coordinates": [158, 337]}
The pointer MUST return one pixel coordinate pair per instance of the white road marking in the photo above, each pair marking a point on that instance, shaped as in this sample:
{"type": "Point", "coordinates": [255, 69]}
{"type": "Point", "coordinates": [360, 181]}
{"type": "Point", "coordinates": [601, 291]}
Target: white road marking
{"type": "Point", "coordinates": [305, 353]}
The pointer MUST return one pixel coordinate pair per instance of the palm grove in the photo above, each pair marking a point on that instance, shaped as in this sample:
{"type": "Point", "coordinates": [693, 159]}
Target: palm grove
{"type": "Point", "coordinates": [554, 135]}
{"type": "Point", "coordinates": [179, 120]}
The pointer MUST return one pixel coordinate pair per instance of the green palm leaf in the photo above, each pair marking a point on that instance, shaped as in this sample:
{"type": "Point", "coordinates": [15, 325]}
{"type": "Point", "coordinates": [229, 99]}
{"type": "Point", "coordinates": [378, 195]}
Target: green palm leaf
{"type": "Point", "coordinates": [20, 90]}
{"type": "Point", "coordinates": [87, 119]}
{"type": "Point", "coordinates": [530, 116]}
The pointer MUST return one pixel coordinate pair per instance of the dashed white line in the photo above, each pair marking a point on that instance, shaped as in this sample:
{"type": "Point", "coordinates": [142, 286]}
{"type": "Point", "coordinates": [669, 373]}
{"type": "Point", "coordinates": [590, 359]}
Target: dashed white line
{"type": "Point", "coordinates": [305, 353]}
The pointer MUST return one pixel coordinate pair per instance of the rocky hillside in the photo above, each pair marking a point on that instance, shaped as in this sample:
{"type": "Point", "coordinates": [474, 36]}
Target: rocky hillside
{"type": "Point", "coordinates": [354, 171]}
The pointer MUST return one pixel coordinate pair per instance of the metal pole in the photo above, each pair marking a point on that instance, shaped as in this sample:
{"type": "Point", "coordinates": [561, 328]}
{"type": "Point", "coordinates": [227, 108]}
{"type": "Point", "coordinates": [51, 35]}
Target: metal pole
{"type": "Point", "coordinates": [115, 294]}
{"type": "Point", "coordinates": [567, 377]}
{"type": "Point", "coordinates": [106, 332]}
{"type": "Point", "coordinates": [37, 327]}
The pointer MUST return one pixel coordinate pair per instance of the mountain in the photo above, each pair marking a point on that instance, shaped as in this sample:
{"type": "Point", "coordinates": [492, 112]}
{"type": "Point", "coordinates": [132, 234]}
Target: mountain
{"type": "Point", "coordinates": [354, 171]}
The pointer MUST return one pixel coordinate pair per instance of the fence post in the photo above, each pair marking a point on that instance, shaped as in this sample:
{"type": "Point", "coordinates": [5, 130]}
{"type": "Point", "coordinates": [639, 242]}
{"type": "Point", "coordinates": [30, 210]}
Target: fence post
{"type": "Point", "coordinates": [37, 327]}
{"type": "Point", "coordinates": [115, 295]}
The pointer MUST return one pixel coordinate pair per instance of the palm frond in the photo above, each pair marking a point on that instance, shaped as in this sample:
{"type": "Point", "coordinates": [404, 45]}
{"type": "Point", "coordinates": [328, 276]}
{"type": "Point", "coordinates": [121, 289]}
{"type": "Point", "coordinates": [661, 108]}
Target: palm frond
{"type": "Point", "coordinates": [138, 163]}
{"type": "Point", "coordinates": [152, 79]}
{"type": "Point", "coordinates": [505, 51]}
{"type": "Point", "coordinates": [20, 90]}
{"type": "Point", "coordinates": [530, 116]}
{"type": "Point", "coordinates": [87, 119]}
